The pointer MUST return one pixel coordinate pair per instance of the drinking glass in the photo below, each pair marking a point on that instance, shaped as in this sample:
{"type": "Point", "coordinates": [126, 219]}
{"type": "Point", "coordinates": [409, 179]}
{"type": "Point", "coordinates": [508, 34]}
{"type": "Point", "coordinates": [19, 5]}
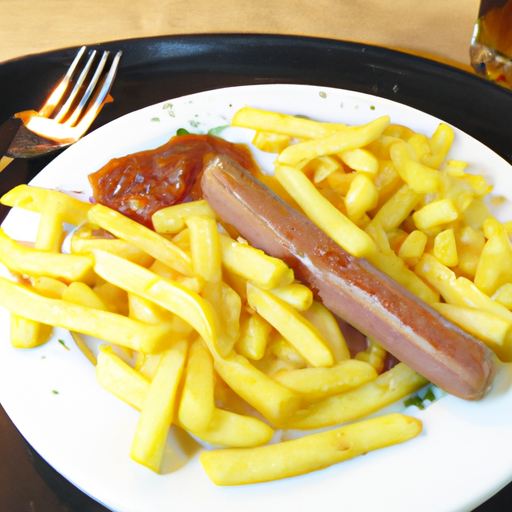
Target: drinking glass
{"type": "Point", "coordinates": [491, 45]}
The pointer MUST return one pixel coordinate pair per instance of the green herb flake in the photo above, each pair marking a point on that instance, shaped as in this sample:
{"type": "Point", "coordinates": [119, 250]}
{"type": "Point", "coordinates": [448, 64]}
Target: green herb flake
{"type": "Point", "coordinates": [155, 119]}
{"type": "Point", "coordinates": [217, 130]}
{"type": "Point", "coordinates": [414, 400]}
{"type": "Point", "coordinates": [419, 401]}
{"type": "Point", "coordinates": [429, 395]}
{"type": "Point", "coordinates": [182, 131]}
{"type": "Point", "coordinates": [372, 107]}
{"type": "Point", "coordinates": [63, 343]}
{"type": "Point", "coordinates": [55, 392]}
{"type": "Point", "coordinates": [168, 107]}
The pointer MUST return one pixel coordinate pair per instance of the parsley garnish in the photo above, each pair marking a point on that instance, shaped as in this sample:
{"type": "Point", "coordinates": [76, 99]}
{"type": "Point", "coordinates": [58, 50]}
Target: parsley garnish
{"type": "Point", "coordinates": [63, 343]}
{"type": "Point", "coordinates": [419, 401]}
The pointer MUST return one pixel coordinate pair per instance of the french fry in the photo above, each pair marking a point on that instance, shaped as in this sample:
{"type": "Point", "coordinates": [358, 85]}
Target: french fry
{"type": "Point", "coordinates": [357, 403]}
{"type": "Point", "coordinates": [142, 237]}
{"type": "Point", "coordinates": [328, 218]}
{"type": "Point", "coordinates": [317, 383]}
{"type": "Point", "coordinates": [197, 404]}
{"type": "Point", "coordinates": [157, 412]}
{"type": "Point", "coordinates": [205, 247]}
{"type": "Point", "coordinates": [361, 197]}
{"type": "Point", "coordinates": [229, 429]}
{"type": "Point", "coordinates": [172, 218]}
{"type": "Point", "coordinates": [329, 329]}
{"type": "Point", "coordinates": [295, 294]}
{"type": "Point", "coordinates": [286, 352]}
{"type": "Point", "coordinates": [37, 199]}
{"type": "Point", "coordinates": [80, 293]}
{"type": "Point", "coordinates": [397, 208]}
{"type": "Point", "coordinates": [322, 167]}
{"type": "Point", "coordinates": [477, 213]}
{"type": "Point", "coordinates": [387, 182]}
{"type": "Point", "coordinates": [36, 262]}
{"type": "Point", "coordinates": [26, 333]}
{"type": "Point", "coordinates": [120, 379]}
{"type": "Point", "coordinates": [470, 243]}
{"type": "Point", "coordinates": [115, 298]}
{"type": "Point", "coordinates": [110, 327]}
{"type": "Point", "coordinates": [350, 138]}
{"type": "Point", "coordinates": [419, 177]}
{"type": "Point", "coordinates": [83, 242]}
{"type": "Point", "coordinates": [254, 265]}
{"type": "Point", "coordinates": [361, 160]}
{"type": "Point", "coordinates": [271, 142]}
{"type": "Point", "coordinates": [413, 246]}
{"type": "Point", "coordinates": [225, 428]}
{"type": "Point", "coordinates": [228, 307]}
{"type": "Point", "coordinates": [389, 263]}
{"type": "Point", "coordinates": [503, 295]}
{"type": "Point", "coordinates": [494, 267]}
{"type": "Point", "coordinates": [439, 145]}
{"type": "Point", "coordinates": [435, 214]}
{"type": "Point", "coordinates": [273, 401]}
{"type": "Point", "coordinates": [55, 208]}
{"type": "Point", "coordinates": [186, 304]}
{"type": "Point", "coordinates": [460, 291]}
{"type": "Point", "coordinates": [50, 287]}
{"type": "Point", "coordinates": [374, 355]}
{"type": "Point", "coordinates": [445, 248]}
{"type": "Point", "coordinates": [148, 311]}
{"type": "Point", "coordinates": [254, 334]}
{"type": "Point", "coordinates": [491, 329]}
{"type": "Point", "coordinates": [283, 124]}
{"type": "Point", "coordinates": [84, 348]}
{"type": "Point", "coordinates": [295, 328]}
{"type": "Point", "coordinates": [309, 453]}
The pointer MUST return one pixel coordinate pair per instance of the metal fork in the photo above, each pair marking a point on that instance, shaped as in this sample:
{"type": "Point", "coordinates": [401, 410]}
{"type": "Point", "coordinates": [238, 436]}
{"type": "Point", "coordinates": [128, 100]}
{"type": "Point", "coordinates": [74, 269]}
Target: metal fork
{"type": "Point", "coordinates": [69, 110]}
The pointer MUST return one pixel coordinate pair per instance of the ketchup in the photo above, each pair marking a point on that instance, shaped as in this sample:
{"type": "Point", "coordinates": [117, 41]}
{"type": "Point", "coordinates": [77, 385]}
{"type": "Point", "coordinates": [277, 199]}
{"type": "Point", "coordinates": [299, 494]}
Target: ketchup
{"type": "Point", "coordinates": [139, 184]}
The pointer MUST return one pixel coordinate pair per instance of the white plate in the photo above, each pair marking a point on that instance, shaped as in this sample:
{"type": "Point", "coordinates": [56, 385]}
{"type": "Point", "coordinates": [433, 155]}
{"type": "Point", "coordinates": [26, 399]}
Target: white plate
{"type": "Point", "coordinates": [462, 457]}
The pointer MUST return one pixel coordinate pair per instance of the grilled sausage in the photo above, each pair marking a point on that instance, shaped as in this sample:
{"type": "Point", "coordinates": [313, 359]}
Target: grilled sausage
{"type": "Point", "coordinates": [351, 287]}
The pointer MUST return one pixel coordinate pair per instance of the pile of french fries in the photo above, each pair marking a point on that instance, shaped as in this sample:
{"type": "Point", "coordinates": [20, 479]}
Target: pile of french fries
{"type": "Point", "coordinates": [389, 194]}
{"type": "Point", "coordinates": [204, 332]}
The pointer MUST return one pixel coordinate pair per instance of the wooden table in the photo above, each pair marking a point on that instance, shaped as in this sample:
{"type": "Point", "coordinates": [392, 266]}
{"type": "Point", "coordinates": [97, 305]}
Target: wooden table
{"type": "Point", "coordinates": [439, 28]}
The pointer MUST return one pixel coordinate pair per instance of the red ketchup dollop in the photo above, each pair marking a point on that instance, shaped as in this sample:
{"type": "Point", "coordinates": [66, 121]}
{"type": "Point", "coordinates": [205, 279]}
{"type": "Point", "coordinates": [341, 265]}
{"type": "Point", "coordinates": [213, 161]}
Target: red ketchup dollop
{"type": "Point", "coordinates": [139, 184]}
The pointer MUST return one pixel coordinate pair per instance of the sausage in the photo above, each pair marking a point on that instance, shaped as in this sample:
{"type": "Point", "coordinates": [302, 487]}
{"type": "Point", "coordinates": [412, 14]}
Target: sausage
{"type": "Point", "coordinates": [351, 287]}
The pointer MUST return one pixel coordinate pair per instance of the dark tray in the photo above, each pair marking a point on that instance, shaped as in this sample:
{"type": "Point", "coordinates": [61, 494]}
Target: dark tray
{"type": "Point", "coordinates": [157, 69]}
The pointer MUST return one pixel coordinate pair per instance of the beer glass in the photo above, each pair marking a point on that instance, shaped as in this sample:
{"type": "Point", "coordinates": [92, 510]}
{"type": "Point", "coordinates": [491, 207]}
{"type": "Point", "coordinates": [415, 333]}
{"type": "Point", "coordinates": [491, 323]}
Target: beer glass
{"type": "Point", "coordinates": [491, 45]}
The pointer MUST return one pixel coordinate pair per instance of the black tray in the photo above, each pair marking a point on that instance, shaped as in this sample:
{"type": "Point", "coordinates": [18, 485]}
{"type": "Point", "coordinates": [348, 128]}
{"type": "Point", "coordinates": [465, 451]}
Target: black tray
{"type": "Point", "coordinates": [157, 69]}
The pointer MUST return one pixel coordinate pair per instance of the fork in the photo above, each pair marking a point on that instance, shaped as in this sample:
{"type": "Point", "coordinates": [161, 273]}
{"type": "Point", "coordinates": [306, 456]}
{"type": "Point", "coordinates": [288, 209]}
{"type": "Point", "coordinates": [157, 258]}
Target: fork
{"type": "Point", "coordinates": [69, 110]}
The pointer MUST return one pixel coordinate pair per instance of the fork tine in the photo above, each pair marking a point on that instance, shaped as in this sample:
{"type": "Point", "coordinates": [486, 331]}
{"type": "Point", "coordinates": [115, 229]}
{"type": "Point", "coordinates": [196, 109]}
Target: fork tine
{"type": "Point", "coordinates": [60, 89]}
{"type": "Point", "coordinates": [100, 96]}
{"type": "Point", "coordinates": [67, 105]}
{"type": "Point", "coordinates": [90, 89]}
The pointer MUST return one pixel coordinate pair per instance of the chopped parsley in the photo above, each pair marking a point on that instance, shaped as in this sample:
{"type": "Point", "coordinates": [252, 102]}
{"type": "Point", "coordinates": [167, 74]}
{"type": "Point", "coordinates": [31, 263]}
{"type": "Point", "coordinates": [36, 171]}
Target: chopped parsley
{"type": "Point", "coordinates": [419, 401]}
{"type": "Point", "coordinates": [63, 343]}
{"type": "Point", "coordinates": [182, 131]}
{"type": "Point", "coordinates": [55, 392]}
{"type": "Point", "coordinates": [217, 130]}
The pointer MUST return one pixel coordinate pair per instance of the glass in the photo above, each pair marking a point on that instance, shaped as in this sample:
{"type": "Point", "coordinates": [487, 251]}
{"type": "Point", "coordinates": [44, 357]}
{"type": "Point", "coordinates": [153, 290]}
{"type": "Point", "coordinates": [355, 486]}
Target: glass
{"type": "Point", "coordinates": [491, 45]}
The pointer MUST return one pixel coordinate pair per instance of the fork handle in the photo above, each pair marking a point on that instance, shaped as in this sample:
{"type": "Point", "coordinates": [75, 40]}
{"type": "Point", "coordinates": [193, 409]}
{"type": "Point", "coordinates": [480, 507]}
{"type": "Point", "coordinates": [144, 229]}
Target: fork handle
{"type": "Point", "coordinates": [8, 131]}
